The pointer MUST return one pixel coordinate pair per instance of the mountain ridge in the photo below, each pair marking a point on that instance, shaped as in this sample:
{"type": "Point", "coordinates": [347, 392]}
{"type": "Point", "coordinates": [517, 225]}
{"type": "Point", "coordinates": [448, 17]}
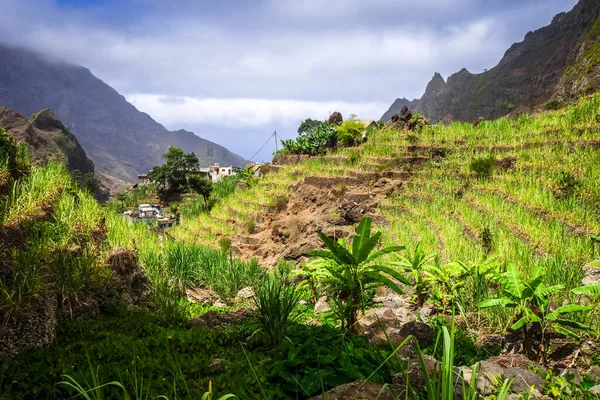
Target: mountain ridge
{"type": "Point", "coordinates": [529, 74]}
{"type": "Point", "coordinates": [121, 140]}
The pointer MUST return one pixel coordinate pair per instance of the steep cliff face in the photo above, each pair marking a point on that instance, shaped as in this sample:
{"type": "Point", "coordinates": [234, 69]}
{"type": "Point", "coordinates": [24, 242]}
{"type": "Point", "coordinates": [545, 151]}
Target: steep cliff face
{"type": "Point", "coordinates": [47, 139]}
{"type": "Point", "coordinates": [583, 73]}
{"type": "Point", "coordinates": [121, 140]}
{"type": "Point", "coordinates": [560, 59]}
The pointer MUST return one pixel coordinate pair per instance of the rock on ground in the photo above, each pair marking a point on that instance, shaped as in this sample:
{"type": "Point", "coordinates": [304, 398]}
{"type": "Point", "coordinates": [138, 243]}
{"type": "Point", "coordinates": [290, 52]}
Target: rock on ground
{"type": "Point", "coordinates": [359, 390]}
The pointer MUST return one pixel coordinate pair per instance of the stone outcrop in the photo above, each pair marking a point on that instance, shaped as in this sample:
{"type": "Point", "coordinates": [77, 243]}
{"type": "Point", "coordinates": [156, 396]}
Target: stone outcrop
{"type": "Point", "coordinates": [36, 330]}
{"type": "Point", "coordinates": [335, 118]}
{"type": "Point", "coordinates": [47, 139]}
{"type": "Point", "coordinates": [561, 60]}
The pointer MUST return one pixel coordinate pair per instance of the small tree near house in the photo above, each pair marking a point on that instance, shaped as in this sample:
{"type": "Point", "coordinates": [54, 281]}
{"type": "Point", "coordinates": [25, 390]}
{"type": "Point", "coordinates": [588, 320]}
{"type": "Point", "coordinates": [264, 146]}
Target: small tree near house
{"type": "Point", "coordinates": [202, 186]}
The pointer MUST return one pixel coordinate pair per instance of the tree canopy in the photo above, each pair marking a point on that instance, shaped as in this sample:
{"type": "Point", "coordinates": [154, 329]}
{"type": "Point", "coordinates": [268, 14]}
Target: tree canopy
{"type": "Point", "coordinates": [172, 174]}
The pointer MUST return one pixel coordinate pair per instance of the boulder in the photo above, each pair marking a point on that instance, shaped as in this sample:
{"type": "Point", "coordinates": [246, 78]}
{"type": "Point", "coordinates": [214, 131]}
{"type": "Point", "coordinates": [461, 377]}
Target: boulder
{"type": "Point", "coordinates": [490, 344]}
{"type": "Point", "coordinates": [130, 284]}
{"type": "Point", "coordinates": [570, 373]}
{"type": "Point", "coordinates": [524, 379]}
{"type": "Point", "coordinates": [245, 294]}
{"type": "Point", "coordinates": [359, 390]}
{"type": "Point", "coordinates": [34, 331]}
{"type": "Point", "coordinates": [377, 316]}
{"type": "Point", "coordinates": [415, 372]}
{"type": "Point", "coordinates": [204, 296]}
{"type": "Point", "coordinates": [595, 389]}
{"type": "Point", "coordinates": [423, 333]}
{"type": "Point", "coordinates": [593, 373]}
{"type": "Point", "coordinates": [591, 273]}
{"type": "Point", "coordinates": [335, 118]}
{"type": "Point", "coordinates": [322, 305]}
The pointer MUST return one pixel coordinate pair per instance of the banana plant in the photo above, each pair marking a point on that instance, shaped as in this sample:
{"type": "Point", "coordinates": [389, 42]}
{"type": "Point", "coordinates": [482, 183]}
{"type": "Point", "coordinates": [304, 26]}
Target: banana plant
{"type": "Point", "coordinates": [531, 302]}
{"type": "Point", "coordinates": [414, 265]}
{"type": "Point", "coordinates": [353, 270]}
{"type": "Point", "coordinates": [445, 283]}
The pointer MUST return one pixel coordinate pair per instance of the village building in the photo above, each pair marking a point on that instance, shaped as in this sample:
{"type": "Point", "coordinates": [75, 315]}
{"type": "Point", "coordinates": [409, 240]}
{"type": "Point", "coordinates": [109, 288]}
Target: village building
{"type": "Point", "coordinates": [150, 214]}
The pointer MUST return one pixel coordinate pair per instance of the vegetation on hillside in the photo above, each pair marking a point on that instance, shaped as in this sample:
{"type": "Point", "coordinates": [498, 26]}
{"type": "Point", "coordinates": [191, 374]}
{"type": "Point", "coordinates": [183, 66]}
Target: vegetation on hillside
{"type": "Point", "coordinates": [499, 220]}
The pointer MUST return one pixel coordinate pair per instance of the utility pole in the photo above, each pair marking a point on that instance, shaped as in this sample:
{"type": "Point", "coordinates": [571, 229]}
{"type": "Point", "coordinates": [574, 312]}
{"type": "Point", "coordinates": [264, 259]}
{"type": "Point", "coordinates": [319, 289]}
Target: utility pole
{"type": "Point", "coordinates": [276, 144]}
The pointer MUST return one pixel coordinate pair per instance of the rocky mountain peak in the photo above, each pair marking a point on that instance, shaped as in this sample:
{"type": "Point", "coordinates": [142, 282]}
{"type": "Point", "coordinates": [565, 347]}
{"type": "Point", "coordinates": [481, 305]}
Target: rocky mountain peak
{"type": "Point", "coordinates": [561, 60]}
{"type": "Point", "coordinates": [436, 83]}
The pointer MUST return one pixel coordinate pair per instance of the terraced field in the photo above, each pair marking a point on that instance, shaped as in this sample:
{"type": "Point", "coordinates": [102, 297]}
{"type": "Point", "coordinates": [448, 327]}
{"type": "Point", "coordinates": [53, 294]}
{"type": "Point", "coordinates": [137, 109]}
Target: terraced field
{"type": "Point", "coordinates": [437, 199]}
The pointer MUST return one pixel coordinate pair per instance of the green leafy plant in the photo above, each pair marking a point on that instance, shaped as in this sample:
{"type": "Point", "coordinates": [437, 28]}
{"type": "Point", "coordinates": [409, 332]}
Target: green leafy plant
{"type": "Point", "coordinates": [171, 175]}
{"type": "Point", "coordinates": [483, 166]}
{"type": "Point", "coordinates": [446, 286]}
{"type": "Point", "coordinates": [566, 185]}
{"type": "Point", "coordinates": [202, 186]}
{"type": "Point", "coordinates": [275, 304]}
{"type": "Point", "coordinates": [553, 105]}
{"type": "Point", "coordinates": [531, 302]}
{"type": "Point", "coordinates": [414, 264]}
{"type": "Point", "coordinates": [350, 132]}
{"type": "Point", "coordinates": [353, 270]}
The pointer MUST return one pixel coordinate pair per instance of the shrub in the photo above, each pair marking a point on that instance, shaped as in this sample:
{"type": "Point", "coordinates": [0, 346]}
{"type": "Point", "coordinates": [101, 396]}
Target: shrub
{"type": "Point", "coordinates": [487, 241]}
{"type": "Point", "coordinates": [483, 166]}
{"type": "Point", "coordinates": [566, 185]}
{"type": "Point", "coordinates": [553, 105]}
{"type": "Point", "coordinates": [313, 142]}
{"type": "Point", "coordinates": [350, 132]}
{"type": "Point", "coordinates": [202, 186]}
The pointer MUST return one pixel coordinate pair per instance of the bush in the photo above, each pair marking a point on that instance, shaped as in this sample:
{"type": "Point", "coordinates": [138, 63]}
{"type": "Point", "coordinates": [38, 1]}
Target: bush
{"type": "Point", "coordinates": [350, 132]}
{"type": "Point", "coordinates": [313, 142]}
{"type": "Point", "coordinates": [553, 105]}
{"type": "Point", "coordinates": [566, 185]}
{"type": "Point", "coordinates": [483, 166]}
{"type": "Point", "coordinates": [320, 358]}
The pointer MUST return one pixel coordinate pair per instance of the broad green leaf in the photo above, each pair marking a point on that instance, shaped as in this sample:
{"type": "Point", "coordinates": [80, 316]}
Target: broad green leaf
{"type": "Point", "coordinates": [547, 291]}
{"type": "Point", "coordinates": [367, 247]}
{"type": "Point", "coordinates": [535, 281]}
{"type": "Point", "coordinates": [387, 250]}
{"type": "Point", "coordinates": [589, 289]}
{"type": "Point", "coordinates": [342, 255]}
{"type": "Point", "coordinates": [377, 277]}
{"type": "Point", "coordinates": [574, 324]}
{"type": "Point", "coordinates": [502, 302]}
{"type": "Point", "coordinates": [514, 283]}
{"type": "Point", "coordinates": [520, 323]}
{"type": "Point", "coordinates": [363, 233]}
{"type": "Point", "coordinates": [364, 227]}
{"type": "Point", "coordinates": [390, 271]}
{"type": "Point", "coordinates": [571, 308]}
{"type": "Point", "coordinates": [565, 331]}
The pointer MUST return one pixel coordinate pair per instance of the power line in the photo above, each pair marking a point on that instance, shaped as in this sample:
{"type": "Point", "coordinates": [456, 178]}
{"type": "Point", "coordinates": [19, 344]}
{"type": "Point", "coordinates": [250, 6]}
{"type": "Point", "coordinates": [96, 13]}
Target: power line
{"type": "Point", "coordinates": [274, 134]}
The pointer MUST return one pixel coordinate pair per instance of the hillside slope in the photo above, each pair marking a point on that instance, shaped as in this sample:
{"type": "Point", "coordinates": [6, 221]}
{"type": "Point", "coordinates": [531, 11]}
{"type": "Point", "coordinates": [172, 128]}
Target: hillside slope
{"type": "Point", "coordinates": [47, 139]}
{"type": "Point", "coordinates": [539, 206]}
{"type": "Point", "coordinates": [121, 140]}
{"type": "Point", "coordinates": [557, 60]}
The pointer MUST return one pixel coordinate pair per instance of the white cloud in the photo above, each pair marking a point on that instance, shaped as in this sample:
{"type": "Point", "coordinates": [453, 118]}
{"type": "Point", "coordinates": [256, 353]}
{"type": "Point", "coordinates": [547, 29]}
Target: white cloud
{"type": "Point", "coordinates": [246, 112]}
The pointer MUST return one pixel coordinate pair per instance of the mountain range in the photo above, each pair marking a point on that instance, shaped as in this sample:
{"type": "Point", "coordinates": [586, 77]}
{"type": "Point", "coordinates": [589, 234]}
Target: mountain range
{"type": "Point", "coordinates": [557, 62]}
{"type": "Point", "coordinates": [121, 141]}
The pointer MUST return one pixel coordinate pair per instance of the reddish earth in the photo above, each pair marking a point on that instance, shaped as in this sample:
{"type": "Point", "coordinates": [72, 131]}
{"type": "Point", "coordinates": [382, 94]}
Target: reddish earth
{"type": "Point", "coordinates": [331, 204]}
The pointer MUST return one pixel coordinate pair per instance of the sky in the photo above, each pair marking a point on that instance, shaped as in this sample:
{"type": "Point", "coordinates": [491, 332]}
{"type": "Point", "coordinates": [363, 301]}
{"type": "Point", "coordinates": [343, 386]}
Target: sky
{"type": "Point", "coordinates": [236, 71]}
